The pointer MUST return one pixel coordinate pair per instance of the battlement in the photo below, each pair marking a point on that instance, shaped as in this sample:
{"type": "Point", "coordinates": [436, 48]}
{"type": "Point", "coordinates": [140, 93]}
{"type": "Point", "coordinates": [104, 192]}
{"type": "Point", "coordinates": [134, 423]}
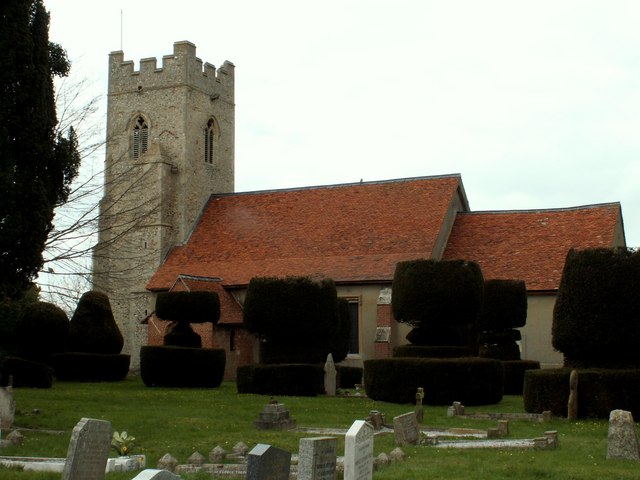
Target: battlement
{"type": "Point", "coordinates": [180, 68]}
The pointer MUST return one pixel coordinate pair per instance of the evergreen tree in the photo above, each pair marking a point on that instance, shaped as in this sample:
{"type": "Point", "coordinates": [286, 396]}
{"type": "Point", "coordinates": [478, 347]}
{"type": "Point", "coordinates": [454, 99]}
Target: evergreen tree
{"type": "Point", "coordinates": [36, 164]}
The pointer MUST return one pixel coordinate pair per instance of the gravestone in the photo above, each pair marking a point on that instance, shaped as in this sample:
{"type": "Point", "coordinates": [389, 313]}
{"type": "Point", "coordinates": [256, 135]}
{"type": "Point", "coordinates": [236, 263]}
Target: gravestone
{"type": "Point", "coordinates": [317, 458]}
{"type": "Point", "coordinates": [265, 462]}
{"type": "Point", "coordinates": [330, 376]}
{"type": "Point", "coordinates": [572, 403]}
{"type": "Point", "coordinates": [7, 407]}
{"type": "Point", "coordinates": [275, 416]}
{"type": "Point", "coordinates": [405, 428]}
{"type": "Point", "coordinates": [155, 474]}
{"type": "Point", "coordinates": [88, 450]}
{"type": "Point", "coordinates": [358, 452]}
{"type": "Point", "coordinates": [167, 462]}
{"type": "Point", "coordinates": [419, 409]}
{"type": "Point", "coordinates": [622, 437]}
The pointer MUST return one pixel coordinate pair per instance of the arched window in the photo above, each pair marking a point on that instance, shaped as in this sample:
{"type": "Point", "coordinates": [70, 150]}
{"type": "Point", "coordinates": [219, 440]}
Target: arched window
{"type": "Point", "coordinates": [140, 137]}
{"type": "Point", "coordinates": [210, 140]}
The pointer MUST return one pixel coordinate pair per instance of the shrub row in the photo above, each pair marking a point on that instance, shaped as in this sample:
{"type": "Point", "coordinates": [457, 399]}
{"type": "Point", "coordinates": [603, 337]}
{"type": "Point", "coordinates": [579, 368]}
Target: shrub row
{"type": "Point", "coordinates": [171, 366]}
{"type": "Point", "coordinates": [514, 371]}
{"type": "Point", "coordinates": [189, 307]}
{"type": "Point", "coordinates": [348, 377]}
{"type": "Point", "coordinates": [470, 380]}
{"type": "Point", "coordinates": [25, 373]}
{"type": "Point", "coordinates": [90, 367]}
{"type": "Point", "coordinates": [599, 391]}
{"type": "Point", "coordinates": [432, 351]}
{"type": "Point", "coordinates": [285, 379]}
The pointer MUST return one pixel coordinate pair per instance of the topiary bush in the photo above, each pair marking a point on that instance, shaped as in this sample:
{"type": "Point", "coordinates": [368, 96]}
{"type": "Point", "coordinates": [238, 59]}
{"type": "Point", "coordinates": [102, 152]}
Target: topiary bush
{"type": "Point", "coordinates": [432, 351]}
{"type": "Point", "coordinates": [440, 299]}
{"type": "Point", "coordinates": [94, 344]}
{"type": "Point", "coordinates": [504, 309]}
{"type": "Point", "coordinates": [41, 331]}
{"type": "Point", "coordinates": [596, 321]}
{"type": "Point", "coordinates": [349, 377]}
{"type": "Point", "coordinates": [171, 366]}
{"type": "Point", "coordinates": [92, 328]}
{"type": "Point", "coordinates": [296, 318]}
{"type": "Point", "coordinates": [514, 371]}
{"type": "Point", "coordinates": [302, 380]}
{"type": "Point", "coordinates": [472, 381]}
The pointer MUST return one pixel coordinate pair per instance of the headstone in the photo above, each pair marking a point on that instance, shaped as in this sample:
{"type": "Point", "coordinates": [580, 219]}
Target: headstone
{"type": "Point", "coordinates": [240, 449]}
{"type": "Point", "coordinates": [317, 458]}
{"type": "Point", "coordinates": [167, 462]}
{"type": "Point", "coordinates": [275, 416]}
{"type": "Point", "coordinates": [265, 462]}
{"type": "Point", "coordinates": [405, 428]}
{"type": "Point", "coordinates": [358, 452]}
{"type": "Point", "coordinates": [419, 409]}
{"type": "Point", "coordinates": [382, 460]}
{"type": "Point", "coordinates": [154, 474]}
{"type": "Point", "coordinates": [397, 455]}
{"type": "Point", "coordinates": [622, 438]}
{"type": "Point", "coordinates": [330, 376]}
{"type": "Point", "coordinates": [572, 403]}
{"type": "Point", "coordinates": [377, 419]}
{"type": "Point", "coordinates": [88, 450]}
{"type": "Point", "coordinates": [7, 407]}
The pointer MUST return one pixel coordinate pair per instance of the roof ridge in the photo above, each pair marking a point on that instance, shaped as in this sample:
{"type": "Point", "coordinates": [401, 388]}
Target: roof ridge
{"type": "Point", "coordinates": [340, 185]}
{"type": "Point", "coordinates": [543, 210]}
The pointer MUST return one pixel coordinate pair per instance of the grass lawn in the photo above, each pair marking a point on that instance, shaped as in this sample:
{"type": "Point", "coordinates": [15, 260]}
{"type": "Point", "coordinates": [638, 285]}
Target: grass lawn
{"type": "Point", "coordinates": [182, 421]}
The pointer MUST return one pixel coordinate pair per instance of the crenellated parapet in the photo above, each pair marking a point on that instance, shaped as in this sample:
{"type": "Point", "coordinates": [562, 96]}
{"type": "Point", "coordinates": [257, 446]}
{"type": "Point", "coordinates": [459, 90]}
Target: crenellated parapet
{"type": "Point", "coordinates": [179, 69]}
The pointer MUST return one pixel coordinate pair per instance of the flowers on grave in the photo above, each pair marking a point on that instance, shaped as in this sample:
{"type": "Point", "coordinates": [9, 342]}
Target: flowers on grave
{"type": "Point", "coordinates": [122, 443]}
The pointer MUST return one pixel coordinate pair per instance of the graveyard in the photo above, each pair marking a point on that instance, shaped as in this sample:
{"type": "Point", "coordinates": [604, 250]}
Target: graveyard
{"type": "Point", "coordinates": [183, 421]}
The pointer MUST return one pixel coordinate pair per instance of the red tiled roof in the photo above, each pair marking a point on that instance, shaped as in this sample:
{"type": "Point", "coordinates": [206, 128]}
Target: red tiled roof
{"type": "Point", "coordinates": [532, 245]}
{"type": "Point", "coordinates": [354, 232]}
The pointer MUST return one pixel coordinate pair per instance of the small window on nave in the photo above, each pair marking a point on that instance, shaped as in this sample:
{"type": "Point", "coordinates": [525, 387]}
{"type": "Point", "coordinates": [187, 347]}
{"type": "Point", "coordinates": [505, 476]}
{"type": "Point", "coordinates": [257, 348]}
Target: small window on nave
{"type": "Point", "coordinates": [140, 137]}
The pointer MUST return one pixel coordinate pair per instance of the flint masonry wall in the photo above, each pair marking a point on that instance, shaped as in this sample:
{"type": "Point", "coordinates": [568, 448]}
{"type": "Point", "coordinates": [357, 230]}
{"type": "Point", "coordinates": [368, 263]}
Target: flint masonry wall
{"type": "Point", "coordinates": [152, 202]}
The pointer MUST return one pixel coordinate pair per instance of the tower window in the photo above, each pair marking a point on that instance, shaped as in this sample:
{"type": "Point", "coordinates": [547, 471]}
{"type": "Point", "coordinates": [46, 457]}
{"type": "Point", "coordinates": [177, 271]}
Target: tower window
{"type": "Point", "coordinates": [210, 133]}
{"type": "Point", "coordinates": [140, 137]}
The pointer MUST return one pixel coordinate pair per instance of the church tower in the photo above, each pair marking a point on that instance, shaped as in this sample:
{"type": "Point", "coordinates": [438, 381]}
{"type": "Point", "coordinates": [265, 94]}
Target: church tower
{"type": "Point", "coordinates": [169, 146]}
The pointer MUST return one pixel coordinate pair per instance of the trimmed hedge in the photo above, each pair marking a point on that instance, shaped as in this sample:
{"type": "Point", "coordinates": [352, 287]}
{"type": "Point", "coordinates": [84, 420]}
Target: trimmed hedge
{"type": "Point", "coordinates": [92, 328]}
{"type": "Point", "coordinates": [90, 367]}
{"type": "Point", "coordinates": [303, 380]}
{"type": "Point", "coordinates": [25, 373]}
{"type": "Point", "coordinates": [272, 353]}
{"type": "Point", "coordinates": [599, 391]}
{"type": "Point", "coordinates": [504, 306]}
{"type": "Point", "coordinates": [441, 299]}
{"type": "Point", "coordinates": [596, 316]}
{"type": "Point", "coordinates": [171, 366]}
{"type": "Point", "coordinates": [41, 331]}
{"type": "Point", "coordinates": [472, 381]}
{"type": "Point", "coordinates": [292, 311]}
{"type": "Point", "coordinates": [436, 351]}
{"type": "Point", "coordinates": [188, 307]}
{"type": "Point", "coordinates": [348, 377]}
{"type": "Point", "coordinates": [514, 371]}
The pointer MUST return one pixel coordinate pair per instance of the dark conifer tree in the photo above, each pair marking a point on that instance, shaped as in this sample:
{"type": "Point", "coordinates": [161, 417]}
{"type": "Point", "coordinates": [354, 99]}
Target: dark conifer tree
{"type": "Point", "coordinates": [37, 164]}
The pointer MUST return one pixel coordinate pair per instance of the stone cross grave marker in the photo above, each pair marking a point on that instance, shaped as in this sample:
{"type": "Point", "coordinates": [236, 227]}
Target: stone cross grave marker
{"type": "Point", "coordinates": [622, 437]}
{"type": "Point", "coordinates": [88, 450]}
{"type": "Point", "coordinates": [419, 409]}
{"type": "Point", "coordinates": [265, 462]}
{"type": "Point", "coordinates": [317, 458]}
{"type": "Point", "coordinates": [405, 428]}
{"type": "Point", "coordinates": [330, 376]}
{"type": "Point", "coordinates": [358, 452]}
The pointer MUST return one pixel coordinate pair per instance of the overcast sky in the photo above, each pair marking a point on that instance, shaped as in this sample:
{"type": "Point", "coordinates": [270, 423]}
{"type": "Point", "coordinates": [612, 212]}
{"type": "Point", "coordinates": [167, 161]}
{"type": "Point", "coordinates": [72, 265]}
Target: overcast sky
{"type": "Point", "coordinates": [535, 103]}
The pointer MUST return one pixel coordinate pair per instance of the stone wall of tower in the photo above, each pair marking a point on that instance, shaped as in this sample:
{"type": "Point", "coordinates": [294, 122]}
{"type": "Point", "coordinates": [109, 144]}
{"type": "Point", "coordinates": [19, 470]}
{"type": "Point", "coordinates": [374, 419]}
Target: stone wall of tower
{"type": "Point", "coordinates": [151, 203]}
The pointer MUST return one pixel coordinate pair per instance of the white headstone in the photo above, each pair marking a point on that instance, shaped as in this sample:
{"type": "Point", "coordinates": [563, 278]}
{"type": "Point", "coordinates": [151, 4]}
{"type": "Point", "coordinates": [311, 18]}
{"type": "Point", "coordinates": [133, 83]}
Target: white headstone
{"type": "Point", "coordinates": [330, 376]}
{"type": "Point", "coordinates": [88, 450]}
{"type": "Point", "coordinates": [358, 452]}
{"type": "Point", "coordinates": [155, 474]}
{"type": "Point", "coordinates": [317, 458]}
